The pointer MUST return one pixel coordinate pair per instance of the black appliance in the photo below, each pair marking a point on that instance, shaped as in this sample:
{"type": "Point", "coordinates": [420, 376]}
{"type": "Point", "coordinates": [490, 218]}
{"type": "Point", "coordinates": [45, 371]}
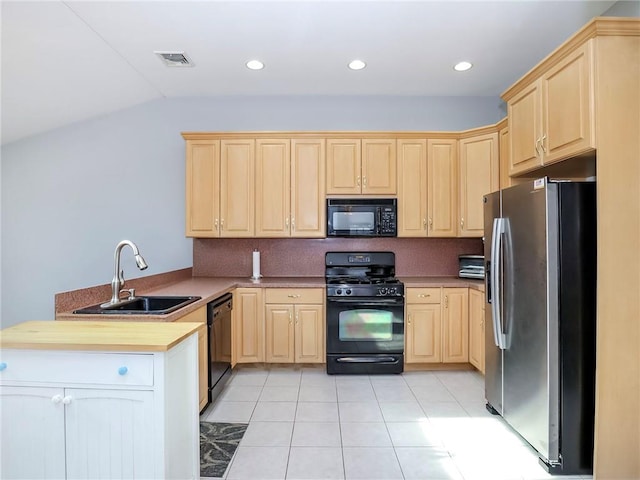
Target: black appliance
{"type": "Point", "coordinates": [219, 333]}
{"type": "Point", "coordinates": [540, 254]}
{"type": "Point", "coordinates": [365, 313]}
{"type": "Point", "coordinates": [362, 217]}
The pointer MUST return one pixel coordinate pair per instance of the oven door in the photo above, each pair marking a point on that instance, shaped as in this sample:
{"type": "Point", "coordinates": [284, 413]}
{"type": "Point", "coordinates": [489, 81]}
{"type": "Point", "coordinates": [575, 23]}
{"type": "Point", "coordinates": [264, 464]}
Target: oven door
{"type": "Point", "coordinates": [365, 325]}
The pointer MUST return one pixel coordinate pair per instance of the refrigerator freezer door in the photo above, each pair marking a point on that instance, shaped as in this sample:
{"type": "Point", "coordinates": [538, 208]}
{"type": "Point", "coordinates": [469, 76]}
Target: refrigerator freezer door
{"type": "Point", "coordinates": [493, 354]}
{"type": "Point", "coordinates": [530, 313]}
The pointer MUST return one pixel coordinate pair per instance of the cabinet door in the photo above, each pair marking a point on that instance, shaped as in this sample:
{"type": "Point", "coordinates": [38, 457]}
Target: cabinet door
{"type": "Point", "coordinates": [200, 316]}
{"type": "Point", "coordinates": [568, 106]}
{"type": "Point", "coordinates": [412, 188]}
{"type": "Point", "coordinates": [525, 126]}
{"type": "Point", "coordinates": [379, 167]}
{"type": "Point", "coordinates": [442, 188]}
{"type": "Point", "coordinates": [32, 433]}
{"type": "Point", "coordinates": [308, 185]}
{"type": "Point", "coordinates": [423, 336]}
{"type": "Point", "coordinates": [343, 166]}
{"type": "Point", "coordinates": [273, 185]}
{"type": "Point", "coordinates": [476, 329]}
{"type": "Point", "coordinates": [309, 334]}
{"type": "Point", "coordinates": [247, 327]}
{"type": "Point", "coordinates": [110, 433]}
{"type": "Point", "coordinates": [279, 333]}
{"type": "Point", "coordinates": [237, 188]}
{"type": "Point", "coordinates": [503, 151]}
{"type": "Point", "coordinates": [455, 324]}
{"type": "Point", "coordinates": [479, 175]}
{"type": "Point", "coordinates": [202, 188]}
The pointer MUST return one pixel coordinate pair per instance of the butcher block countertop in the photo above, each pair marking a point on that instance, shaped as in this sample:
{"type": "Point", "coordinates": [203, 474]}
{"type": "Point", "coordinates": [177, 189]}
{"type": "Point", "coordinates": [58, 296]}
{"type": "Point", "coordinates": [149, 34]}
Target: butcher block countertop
{"type": "Point", "coordinates": [96, 336]}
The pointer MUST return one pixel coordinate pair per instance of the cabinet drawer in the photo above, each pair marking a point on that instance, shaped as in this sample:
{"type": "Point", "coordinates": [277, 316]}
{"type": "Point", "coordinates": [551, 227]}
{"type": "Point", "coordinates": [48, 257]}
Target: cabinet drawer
{"type": "Point", "coordinates": [423, 295]}
{"type": "Point", "coordinates": [50, 367]}
{"type": "Point", "coordinates": [294, 295]}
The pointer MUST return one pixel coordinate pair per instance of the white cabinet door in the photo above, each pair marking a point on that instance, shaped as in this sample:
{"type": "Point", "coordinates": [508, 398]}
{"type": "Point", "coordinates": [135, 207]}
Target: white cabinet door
{"type": "Point", "coordinates": [32, 433]}
{"type": "Point", "coordinates": [119, 422]}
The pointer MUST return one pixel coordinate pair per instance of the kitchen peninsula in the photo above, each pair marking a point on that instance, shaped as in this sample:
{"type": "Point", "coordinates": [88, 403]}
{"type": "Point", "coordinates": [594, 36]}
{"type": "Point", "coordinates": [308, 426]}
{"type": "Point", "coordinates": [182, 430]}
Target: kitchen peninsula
{"type": "Point", "coordinates": [55, 376]}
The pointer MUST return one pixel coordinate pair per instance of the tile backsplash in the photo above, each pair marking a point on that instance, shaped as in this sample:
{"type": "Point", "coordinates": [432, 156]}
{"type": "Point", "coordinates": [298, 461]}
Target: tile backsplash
{"type": "Point", "coordinates": [297, 257]}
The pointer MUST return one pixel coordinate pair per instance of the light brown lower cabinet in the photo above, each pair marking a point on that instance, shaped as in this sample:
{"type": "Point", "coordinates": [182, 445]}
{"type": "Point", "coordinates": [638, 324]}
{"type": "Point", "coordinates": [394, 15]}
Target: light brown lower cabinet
{"type": "Point", "coordinates": [437, 327]}
{"type": "Point", "coordinates": [294, 325]}
{"type": "Point", "coordinates": [247, 326]}
{"type": "Point", "coordinates": [200, 316]}
{"type": "Point", "coordinates": [476, 329]}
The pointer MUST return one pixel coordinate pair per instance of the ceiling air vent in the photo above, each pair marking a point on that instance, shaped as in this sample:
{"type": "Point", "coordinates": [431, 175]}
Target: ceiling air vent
{"type": "Point", "coordinates": [175, 59]}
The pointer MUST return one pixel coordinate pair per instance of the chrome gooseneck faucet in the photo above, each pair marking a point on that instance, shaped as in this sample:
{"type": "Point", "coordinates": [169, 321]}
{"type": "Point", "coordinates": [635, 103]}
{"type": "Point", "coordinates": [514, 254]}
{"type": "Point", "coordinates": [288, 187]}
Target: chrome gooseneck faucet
{"type": "Point", "coordinates": [118, 275]}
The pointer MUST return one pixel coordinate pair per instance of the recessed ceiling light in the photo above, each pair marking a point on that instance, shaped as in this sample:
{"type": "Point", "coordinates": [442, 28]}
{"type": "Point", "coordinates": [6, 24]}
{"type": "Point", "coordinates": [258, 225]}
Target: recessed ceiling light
{"type": "Point", "coordinates": [462, 66]}
{"type": "Point", "coordinates": [357, 65]}
{"type": "Point", "coordinates": [255, 65]}
{"type": "Point", "coordinates": [175, 59]}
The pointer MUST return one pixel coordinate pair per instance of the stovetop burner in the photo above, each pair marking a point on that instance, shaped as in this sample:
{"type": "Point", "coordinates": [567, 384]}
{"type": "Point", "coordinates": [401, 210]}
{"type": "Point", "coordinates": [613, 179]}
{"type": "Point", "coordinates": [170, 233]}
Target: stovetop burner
{"type": "Point", "coordinates": [362, 281]}
{"type": "Point", "coordinates": [359, 274]}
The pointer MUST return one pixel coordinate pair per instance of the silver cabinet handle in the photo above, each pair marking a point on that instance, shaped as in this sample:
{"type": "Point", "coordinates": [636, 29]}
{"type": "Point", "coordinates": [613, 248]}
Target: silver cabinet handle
{"type": "Point", "coordinates": [292, 295]}
{"type": "Point", "coordinates": [364, 181]}
{"type": "Point", "coordinates": [358, 180]}
{"type": "Point", "coordinates": [293, 223]}
{"type": "Point", "coordinates": [462, 223]}
{"type": "Point", "coordinates": [286, 223]}
{"type": "Point", "coordinates": [424, 295]}
{"type": "Point", "coordinates": [537, 149]}
{"type": "Point", "coordinates": [430, 224]}
{"type": "Point", "coordinates": [544, 137]}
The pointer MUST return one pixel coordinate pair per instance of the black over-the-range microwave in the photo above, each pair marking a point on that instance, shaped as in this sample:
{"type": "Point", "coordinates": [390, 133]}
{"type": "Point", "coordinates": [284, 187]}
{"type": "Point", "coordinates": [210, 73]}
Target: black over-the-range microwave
{"type": "Point", "coordinates": [362, 217]}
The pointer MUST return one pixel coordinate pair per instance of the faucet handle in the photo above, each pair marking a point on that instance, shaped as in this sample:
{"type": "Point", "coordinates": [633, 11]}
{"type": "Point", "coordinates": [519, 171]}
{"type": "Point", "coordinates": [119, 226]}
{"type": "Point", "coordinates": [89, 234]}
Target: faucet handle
{"type": "Point", "coordinates": [130, 291]}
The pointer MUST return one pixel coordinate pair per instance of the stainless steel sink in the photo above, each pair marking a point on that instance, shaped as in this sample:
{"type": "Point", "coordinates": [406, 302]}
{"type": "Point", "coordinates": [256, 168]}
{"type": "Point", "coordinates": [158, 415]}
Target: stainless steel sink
{"type": "Point", "coordinates": [144, 305]}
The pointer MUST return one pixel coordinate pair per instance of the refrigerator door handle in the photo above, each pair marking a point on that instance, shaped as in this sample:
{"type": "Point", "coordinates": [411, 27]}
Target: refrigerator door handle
{"type": "Point", "coordinates": [496, 279]}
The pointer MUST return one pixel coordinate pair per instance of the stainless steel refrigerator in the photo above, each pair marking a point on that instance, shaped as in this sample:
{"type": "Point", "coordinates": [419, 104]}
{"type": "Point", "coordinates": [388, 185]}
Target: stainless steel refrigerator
{"type": "Point", "coordinates": [540, 275]}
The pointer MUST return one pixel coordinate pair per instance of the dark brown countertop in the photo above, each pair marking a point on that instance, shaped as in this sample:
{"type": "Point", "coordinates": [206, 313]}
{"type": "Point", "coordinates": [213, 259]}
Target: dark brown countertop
{"type": "Point", "coordinates": [210, 288]}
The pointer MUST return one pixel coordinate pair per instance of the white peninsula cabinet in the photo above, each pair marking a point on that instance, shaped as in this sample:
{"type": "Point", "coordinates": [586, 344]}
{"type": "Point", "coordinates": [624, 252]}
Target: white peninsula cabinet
{"type": "Point", "coordinates": [88, 400]}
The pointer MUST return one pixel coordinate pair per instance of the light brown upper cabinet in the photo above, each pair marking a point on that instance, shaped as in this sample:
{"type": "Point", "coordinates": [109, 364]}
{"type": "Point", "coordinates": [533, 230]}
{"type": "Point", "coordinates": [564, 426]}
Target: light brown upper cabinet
{"type": "Point", "coordinates": [273, 187]}
{"type": "Point", "coordinates": [412, 188]}
{"type": "Point", "coordinates": [237, 188]}
{"type": "Point", "coordinates": [552, 118]}
{"type": "Point", "coordinates": [203, 188]}
{"type": "Point", "coordinates": [442, 188]}
{"type": "Point", "coordinates": [479, 175]}
{"type": "Point", "coordinates": [361, 166]}
{"type": "Point", "coordinates": [308, 211]}
{"type": "Point", "coordinates": [504, 140]}
{"type": "Point", "coordinates": [290, 188]}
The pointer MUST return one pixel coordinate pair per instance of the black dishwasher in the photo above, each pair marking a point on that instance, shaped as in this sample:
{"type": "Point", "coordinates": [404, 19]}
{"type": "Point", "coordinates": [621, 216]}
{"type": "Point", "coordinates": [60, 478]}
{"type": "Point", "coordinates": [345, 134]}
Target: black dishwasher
{"type": "Point", "coordinates": [219, 332]}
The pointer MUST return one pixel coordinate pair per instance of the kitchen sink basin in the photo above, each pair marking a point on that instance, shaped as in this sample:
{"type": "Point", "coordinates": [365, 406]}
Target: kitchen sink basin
{"type": "Point", "coordinates": [144, 305]}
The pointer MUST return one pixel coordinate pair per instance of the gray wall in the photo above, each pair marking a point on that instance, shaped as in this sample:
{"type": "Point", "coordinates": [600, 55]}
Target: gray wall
{"type": "Point", "coordinates": [624, 8]}
{"type": "Point", "coordinates": [69, 195]}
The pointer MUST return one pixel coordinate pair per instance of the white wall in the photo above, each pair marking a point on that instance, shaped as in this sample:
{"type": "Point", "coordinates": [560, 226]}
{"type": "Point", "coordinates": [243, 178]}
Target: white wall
{"type": "Point", "coordinates": [69, 195]}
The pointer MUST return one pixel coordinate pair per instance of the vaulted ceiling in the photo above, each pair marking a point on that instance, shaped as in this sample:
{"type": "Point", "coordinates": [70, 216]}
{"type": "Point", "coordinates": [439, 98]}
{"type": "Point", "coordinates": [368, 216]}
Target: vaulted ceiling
{"type": "Point", "coordinates": [64, 62]}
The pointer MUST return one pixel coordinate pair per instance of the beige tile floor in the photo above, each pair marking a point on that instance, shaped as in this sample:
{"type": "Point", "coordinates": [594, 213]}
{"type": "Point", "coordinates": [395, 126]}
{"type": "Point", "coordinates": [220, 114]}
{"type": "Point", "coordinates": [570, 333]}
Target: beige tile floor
{"type": "Point", "coordinates": [305, 424]}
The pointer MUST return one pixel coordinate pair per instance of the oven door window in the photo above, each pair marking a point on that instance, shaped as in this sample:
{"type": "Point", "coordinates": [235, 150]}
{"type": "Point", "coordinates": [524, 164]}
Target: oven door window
{"type": "Point", "coordinates": [365, 325]}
